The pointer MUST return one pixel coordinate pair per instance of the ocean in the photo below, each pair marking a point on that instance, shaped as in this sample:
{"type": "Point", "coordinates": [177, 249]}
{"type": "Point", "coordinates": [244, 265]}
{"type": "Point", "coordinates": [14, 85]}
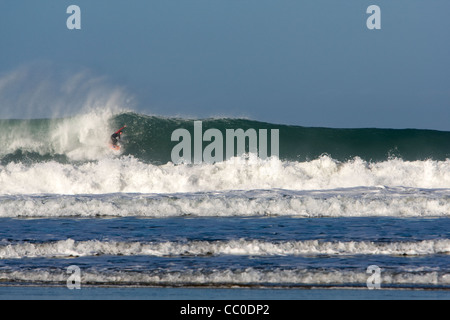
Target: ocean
{"type": "Point", "coordinates": [354, 209]}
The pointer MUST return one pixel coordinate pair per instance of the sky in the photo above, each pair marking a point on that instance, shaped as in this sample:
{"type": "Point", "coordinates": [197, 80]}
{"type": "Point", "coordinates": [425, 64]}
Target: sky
{"type": "Point", "coordinates": [301, 62]}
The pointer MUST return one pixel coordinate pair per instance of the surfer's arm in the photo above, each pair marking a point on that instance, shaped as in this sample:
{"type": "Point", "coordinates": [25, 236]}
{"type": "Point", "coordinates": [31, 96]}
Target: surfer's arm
{"type": "Point", "coordinates": [118, 131]}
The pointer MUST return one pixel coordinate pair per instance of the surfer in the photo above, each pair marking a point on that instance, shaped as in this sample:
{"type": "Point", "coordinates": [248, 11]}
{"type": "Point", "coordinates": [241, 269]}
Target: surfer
{"type": "Point", "coordinates": [116, 136]}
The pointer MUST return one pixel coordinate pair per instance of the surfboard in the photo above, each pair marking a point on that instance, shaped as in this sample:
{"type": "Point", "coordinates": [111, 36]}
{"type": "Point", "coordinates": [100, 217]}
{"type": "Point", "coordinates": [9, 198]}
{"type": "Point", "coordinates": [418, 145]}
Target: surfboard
{"type": "Point", "coordinates": [114, 147]}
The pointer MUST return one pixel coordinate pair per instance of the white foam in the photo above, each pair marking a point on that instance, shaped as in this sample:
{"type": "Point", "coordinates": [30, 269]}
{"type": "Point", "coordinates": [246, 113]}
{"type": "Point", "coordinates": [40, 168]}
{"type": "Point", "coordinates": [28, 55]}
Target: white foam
{"type": "Point", "coordinates": [71, 248]}
{"type": "Point", "coordinates": [229, 277]}
{"type": "Point", "coordinates": [81, 137]}
{"type": "Point", "coordinates": [351, 202]}
{"type": "Point", "coordinates": [129, 175]}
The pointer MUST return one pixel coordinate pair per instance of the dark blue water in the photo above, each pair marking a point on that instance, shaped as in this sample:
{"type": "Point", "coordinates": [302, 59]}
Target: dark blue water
{"type": "Point", "coordinates": [217, 228]}
{"type": "Point", "coordinates": [177, 263]}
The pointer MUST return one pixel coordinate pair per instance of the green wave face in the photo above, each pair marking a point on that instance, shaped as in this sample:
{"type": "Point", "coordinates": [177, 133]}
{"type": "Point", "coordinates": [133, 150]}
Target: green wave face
{"type": "Point", "coordinates": [148, 138]}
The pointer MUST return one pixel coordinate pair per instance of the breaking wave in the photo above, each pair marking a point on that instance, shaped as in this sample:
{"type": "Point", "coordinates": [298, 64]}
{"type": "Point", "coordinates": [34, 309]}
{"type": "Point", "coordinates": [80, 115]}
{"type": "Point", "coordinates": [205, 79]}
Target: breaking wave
{"type": "Point", "coordinates": [72, 248]}
{"type": "Point", "coordinates": [84, 137]}
{"type": "Point", "coordinates": [351, 202]}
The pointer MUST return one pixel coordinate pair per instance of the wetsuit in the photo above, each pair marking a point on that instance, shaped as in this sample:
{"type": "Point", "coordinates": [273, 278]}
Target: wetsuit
{"type": "Point", "coordinates": [116, 136]}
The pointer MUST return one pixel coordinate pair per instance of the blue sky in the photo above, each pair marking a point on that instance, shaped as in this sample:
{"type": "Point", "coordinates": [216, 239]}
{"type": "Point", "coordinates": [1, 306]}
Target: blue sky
{"type": "Point", "coordinates": [310, 63]}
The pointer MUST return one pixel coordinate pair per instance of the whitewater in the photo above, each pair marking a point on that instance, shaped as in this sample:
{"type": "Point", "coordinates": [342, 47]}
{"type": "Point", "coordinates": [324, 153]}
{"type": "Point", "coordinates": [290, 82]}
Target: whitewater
{"type": "Point", "coordinates": [334, 202]}
{"type": "Point", "coordinates": [128, 174]}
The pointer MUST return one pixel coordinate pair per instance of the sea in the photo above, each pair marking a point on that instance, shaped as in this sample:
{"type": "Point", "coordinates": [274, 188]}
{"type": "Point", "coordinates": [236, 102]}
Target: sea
{"type": "Point", "coordinates": [354, 213]}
